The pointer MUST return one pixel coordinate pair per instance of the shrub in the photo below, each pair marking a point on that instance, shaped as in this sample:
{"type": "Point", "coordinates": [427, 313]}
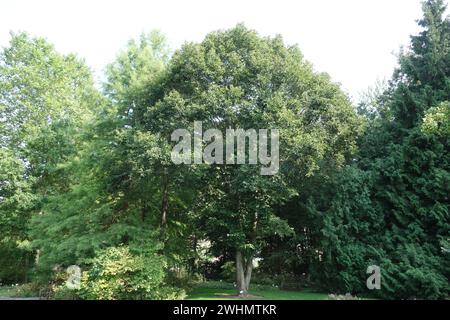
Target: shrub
{"type": "Point", "coordinates": [117, 273]}
{"type": "Point", "coordinates": [26, 290]}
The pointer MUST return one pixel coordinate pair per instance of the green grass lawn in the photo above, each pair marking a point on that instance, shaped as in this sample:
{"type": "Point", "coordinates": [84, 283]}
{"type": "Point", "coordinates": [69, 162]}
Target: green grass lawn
{"type": "Point", "coordinates": [7, 292]}
{"type": "Point", "coordinates": [201, 293]}
{"type": "Point", "coordinates": [18, 292]}
{"type": "Point", "coordinates": [226, 293]}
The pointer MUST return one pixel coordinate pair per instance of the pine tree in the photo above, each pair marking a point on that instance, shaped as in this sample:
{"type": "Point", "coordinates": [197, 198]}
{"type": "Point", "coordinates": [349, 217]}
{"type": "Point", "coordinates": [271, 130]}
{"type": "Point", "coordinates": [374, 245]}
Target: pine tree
{"type": "Point", "coordinates": [392, 206]}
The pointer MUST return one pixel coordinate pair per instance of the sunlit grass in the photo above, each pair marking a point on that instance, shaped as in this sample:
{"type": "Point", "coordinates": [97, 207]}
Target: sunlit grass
{"type": "Point", "coordinates": [200, 293]}
{"type": "Point", "coordinates": [7, 292]}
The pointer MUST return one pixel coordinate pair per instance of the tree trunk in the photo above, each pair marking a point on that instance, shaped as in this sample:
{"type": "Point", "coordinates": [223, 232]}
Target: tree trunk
{"type": "Point", "coordinates": [144, 213]}
{"type": "Point", "coordinates": [194, 267]}
{"type": "Point", "coordinates": [244, 265]}
{"type": "Point", "coordinates": [26, 267]}
{"type": "Point", "coordinates": [165, 200]}
{"type": "Point", "coordinates": [248, 273]}
{"type": "Point", "coordinates": [244, 268]}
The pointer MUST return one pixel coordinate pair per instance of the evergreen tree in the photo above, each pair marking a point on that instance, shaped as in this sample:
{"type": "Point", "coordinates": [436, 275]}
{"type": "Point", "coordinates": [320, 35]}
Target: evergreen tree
{"type": "Point", "coordinates": [391, 208]}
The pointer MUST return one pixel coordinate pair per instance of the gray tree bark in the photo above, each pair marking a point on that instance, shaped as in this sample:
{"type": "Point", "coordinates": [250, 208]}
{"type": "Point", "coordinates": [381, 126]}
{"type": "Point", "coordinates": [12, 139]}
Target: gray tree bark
{"type": "Point", "coordinates": [244, 268]}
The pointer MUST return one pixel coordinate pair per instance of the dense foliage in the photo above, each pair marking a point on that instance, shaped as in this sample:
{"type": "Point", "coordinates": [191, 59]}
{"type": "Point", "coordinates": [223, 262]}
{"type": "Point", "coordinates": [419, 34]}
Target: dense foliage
{"type": "Point", "coordinates": [391, 206]}
{"type": "Point", "coordinates": [118, 273]}
{"type": "Point", "coordinates": [87, 178]}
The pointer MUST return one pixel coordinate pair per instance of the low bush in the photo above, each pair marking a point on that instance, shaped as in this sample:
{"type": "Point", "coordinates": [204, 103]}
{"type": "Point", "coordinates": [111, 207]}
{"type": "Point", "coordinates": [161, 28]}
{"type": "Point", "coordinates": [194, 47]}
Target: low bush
{"type": "Point", "coordinates": [119, 274]}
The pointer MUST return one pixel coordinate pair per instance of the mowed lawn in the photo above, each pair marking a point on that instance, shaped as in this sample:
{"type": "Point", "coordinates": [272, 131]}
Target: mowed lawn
{"type": "Point", "coordinates": [201, 293]}
{"type": "Point", "coordinates": [7, 292]}
{"type": "Point", "coordinates": [204, 293]}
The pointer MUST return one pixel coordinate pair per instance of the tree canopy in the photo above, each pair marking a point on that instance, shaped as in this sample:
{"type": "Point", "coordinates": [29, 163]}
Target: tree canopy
{"type": "Point", "coordinates": [90, 177]}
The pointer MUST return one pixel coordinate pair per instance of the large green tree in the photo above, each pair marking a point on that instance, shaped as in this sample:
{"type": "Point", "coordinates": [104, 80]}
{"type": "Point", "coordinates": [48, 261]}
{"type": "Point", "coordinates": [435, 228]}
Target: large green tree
{"type": "Point", "coordinates": [391, 207]}
{"type": "Point", "coordinates": [45, 100]}
{"type": "Point", "coordinates": [235, 79]}
{"type": "Point", "coordinates": [106, 201]}
{"type": "Point", "coordinates": [111, 208]}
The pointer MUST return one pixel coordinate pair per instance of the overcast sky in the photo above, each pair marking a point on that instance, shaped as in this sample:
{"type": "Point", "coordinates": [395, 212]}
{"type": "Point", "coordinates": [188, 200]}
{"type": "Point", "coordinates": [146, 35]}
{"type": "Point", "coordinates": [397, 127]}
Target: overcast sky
{"type": "Point", "coordinates": [355, 41]}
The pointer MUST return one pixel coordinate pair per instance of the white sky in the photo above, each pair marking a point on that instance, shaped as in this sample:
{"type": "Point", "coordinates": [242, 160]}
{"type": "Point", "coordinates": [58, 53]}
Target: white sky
{"type": "Point", "coordinates": [353, 40]}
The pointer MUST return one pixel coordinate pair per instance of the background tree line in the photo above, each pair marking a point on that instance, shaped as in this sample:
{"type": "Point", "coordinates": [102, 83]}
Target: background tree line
{"type": "Point", "coordinates": [86, 176]}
